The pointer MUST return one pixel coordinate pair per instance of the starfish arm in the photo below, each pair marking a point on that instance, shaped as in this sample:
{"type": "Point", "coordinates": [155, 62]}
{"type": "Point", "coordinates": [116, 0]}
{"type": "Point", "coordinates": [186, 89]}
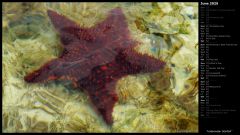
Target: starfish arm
{"type": "Point", "coordinates": [100, 86]}
{"type": "Point", "coordinates": [147, 63]}
{"type": "Point", "coordinates": [44, 74]}
{"type": "Point", "coordinates": [134, 62]}
{"type": "Point", "coordinates": [103, 99]}
{"type": "Point", "coordinates": [59, 21]}
{"type": "Point", "coordinates": [69, 30]}
{"type": "Point", "coordinates": [114, 27]}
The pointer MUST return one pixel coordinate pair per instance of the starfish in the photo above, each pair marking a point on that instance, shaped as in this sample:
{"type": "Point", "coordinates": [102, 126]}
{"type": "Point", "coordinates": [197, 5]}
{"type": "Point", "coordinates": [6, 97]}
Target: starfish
{"type": "Point", "coordinates": [95, 58]}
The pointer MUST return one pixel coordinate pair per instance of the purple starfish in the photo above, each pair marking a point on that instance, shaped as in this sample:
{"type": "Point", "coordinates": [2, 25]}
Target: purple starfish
{"type": "Point", "coordinates": [95, 58]}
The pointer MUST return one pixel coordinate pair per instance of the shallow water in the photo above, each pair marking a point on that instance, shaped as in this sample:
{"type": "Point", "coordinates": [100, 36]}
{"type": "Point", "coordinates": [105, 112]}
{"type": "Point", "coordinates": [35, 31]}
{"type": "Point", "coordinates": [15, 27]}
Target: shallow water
{"type": "Point", "coordinates": [163, 101]}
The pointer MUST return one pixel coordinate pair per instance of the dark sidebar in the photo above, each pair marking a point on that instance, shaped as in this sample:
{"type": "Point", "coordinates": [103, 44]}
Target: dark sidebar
{"type": "Point", "coordinates": [219, 67]}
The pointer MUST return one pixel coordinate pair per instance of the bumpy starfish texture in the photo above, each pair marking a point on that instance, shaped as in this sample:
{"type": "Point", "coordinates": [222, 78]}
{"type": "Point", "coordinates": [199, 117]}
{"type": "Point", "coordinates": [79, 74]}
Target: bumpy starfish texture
{"type": "Point", "coordinates": [95, 58]}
